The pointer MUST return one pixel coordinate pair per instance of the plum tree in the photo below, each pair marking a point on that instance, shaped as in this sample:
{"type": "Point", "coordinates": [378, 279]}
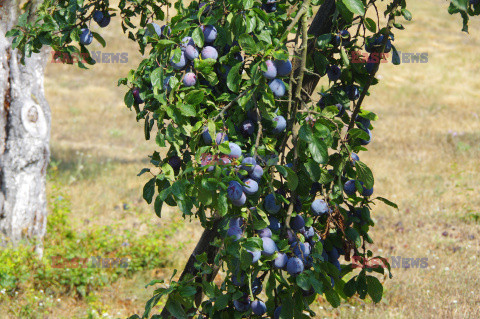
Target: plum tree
{"type": "Point", "coordinates": [248, 70]}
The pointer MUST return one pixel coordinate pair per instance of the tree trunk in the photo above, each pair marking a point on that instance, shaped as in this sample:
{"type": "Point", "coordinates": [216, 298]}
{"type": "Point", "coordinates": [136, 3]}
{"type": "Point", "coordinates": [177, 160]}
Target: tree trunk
{"type": "Point", "coordinates": [24, 139]}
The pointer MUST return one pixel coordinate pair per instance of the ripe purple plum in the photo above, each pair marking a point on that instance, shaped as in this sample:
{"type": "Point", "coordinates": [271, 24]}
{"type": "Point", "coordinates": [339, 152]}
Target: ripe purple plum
{"type": "Point", "coordinates": [249, 164]}
{"type": "Point", "coordinates": [97, 16]}
{"type": "Point", "coordinates": [207, 138]}
{"type": "Point", "coordinates": [234, 190]}
{"type": "Point", "coordinates": [319, 207]}
{"type": "Point", "coordinates": [247, 128]}
{"type": "Point", "coordinates": [280, 261]}
{"type": "Point", "coordinates": [191, 52]}
{"type": "Point", "coordinates": [209, 33]}
{"type": "Point", "coordinates": [297, 222]}
{"type": "Point", "coordinates": [186, 42]}
{"type": "Point", "coordinates": [242, 304]}
{"type": "Point", "coordinates": [86, 37]}
{"type": "Point", "coordinates": [209, 52]}
{"type": "Point", "coordinates": [280, 124]}
{"type": "Point", "coordinates": [259, 307]}
{"type": "Point", "coordinates": [271, 72]}
{"type": "Point", "coordinates": [366, 142]}
{"type": "Point", "coordinates": [269, 246]}
{"type": "Point", "coordinates": [284, 67]}
{"type": "Point", "coordinates": [266, 232]}
{"type": "Point", "coordinates": [221, 137]}
{"type": "Point", "coordinates": [190, 79]}
{"type": "Point", "coordinates": [105, 21]}
{"type": "Point", "coordinates": [180, 64]}
{"type": "Point", "coordinates": [257, 173]}
{"type": "Point", "coordinates": [255, 255]}
{"type": "Point", "coordinates": [241, 201]}
{"type": "Point", "coordinates": [236, 221]}
{"type": "Point", "coordinates": [235, 150]}
{"type": "Point", "coordinates": [251, 186]}
{"type": "Point", "coordinates": [175, 162]}
{"type": "Point", "coordinates": [278, 87]}
{"type": "Point", "coordinates": [136, 96]}
{"type": "Point", "coordinates": [295, 266]}
{"type": "Point", "coordinates": [236, 232]}
{"type": "Point", "coordinates": [274, 223]}
{"type": "Point", "coordinates": [270, 204]}
{"type": "Point", "coordinates": [350, 188]}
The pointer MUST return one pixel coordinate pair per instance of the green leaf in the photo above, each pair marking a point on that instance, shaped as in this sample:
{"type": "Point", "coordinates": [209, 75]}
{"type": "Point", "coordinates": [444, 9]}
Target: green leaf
{"type": "Point", "coordinates": [370, 25]}
{"type": "Point", "coordinates": [319, 150]}
{"type": "Point", "coordinates": [195, 97]}
{"type": "Point", "coordinates": [355, 6]}
{"type": "Point", "coordinates": [253, 244]}
{"type": "Point", "coordinates": [198, 37]}
{"type": "Point", "coordinates": [175, 308]}
{"type": "Point", "coordinates": [313, 170]}
{"type": "Point", "coordinates": [353, 235]}
{"type": "Point", "coordinates": [374, 288]}
{"type": "Point", "coordinates": [188, 110]}
{"type": "Point", "coordinates": [156, 77]}
{"type": "Point", "coordinates": [303, 281]}
{"type": "Point", "coordinates": [333, 298]}
{"type": "Point", "coordinates": [395, 56]}
{"type": "Point", "coordinates": [460, 4]}
{"type": "Point", "coordinates": [344, 56]}
{"type": "Point", "coordinates": [158, 206]}
{"type": "Point", "coordinates": [247, 43]}
{"type": "Point", "coordinates": [234, 77]}
{"type": "Point", "coordinates": [323, 40]}
{"type": "Point", "coordinates": [350, 287]}
{"type": "Point", "coordinates": [364, 174]}
{"type": "Point", "coordinates": [406, 14]}
{"type": "Point", "coordinates": [222, 204]}
{"type": "Point", "coordinates": [99, 38]}
{"type": "Point", "coordinates": [386, 201]}
{"type": "Point", "coordinates": [149, 190]}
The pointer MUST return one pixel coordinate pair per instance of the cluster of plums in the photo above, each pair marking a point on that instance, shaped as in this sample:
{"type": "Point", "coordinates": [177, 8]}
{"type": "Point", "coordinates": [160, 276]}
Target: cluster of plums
{"type": "Point", "coordinates": [103, 20]}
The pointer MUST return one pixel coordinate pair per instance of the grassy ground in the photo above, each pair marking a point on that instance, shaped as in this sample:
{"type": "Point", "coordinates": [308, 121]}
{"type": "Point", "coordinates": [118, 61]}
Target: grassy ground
{"type": "Point", "coordinates": [424, 155]}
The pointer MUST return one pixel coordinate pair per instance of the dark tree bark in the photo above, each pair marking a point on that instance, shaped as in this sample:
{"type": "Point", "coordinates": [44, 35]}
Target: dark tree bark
{"type": "Point", "coordinates": [321, 24]}
{"type": "Point", "coordinates": [24, 139]}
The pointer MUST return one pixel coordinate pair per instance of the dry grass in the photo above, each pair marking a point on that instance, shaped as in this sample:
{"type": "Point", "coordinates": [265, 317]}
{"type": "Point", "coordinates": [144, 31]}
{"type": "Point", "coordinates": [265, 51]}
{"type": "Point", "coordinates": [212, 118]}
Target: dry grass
{"type": "Point", "coordinates": [424, 156]}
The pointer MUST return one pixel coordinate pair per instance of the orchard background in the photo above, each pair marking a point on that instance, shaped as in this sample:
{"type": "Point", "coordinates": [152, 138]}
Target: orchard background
{"type": "Point", "coordinates": [424, 156]}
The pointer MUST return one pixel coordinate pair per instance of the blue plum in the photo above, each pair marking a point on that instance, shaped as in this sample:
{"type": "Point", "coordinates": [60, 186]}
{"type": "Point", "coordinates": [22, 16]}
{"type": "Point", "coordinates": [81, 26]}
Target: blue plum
{"type": "Point", "coordinates": [241, 201]}
{"type": "Point", "coordinates": [353, 92]}
{"type": "Point", "coordinates": [269, 246]}
{"type": "Point", "coordinates": [366, 142]}
{"type": "Point", "coordinates": [186, 41]}
{"type": "Point", "coordinates": [333, 73]}
{"type": "Point", "coordinates": [97, 16]}
{"type": "Point", "coordinates": [105, 21]}
{"type": "Point", "coordinates": [221, 137]}
{"type": "Point", "coordinates": [309, 232]}
{"type": "Point", "coordinates": [209, 33]}
{"type": "Point", "coordinates": [257, 286]}
{"type": "Point", "coordinates": [191, 52]}
{"type": "Point", "coordinates": [249, 164]}
{"type": "Point", "coordinates": [284, 67]}
{"type": "Point", "coordinates": [354, 157]}
{"type": "Point", "coordinates": [367, 192]}
{"type": "Point", "coordinates": [238, 279]}
{"type": "Point", "coordinates": [247, 128]}
{"type": "Point", "coordinates": [271, 72]}
{"type": "Point", "coordinates": [255, 255]}
{"type": "Point", "coordinates": [349, 188]}
{"type": "Point", "coordinates": [343, 37]}
{"type": "Point", "coordinates": [236, 232]}
{"type": "Point", "coordinates": [166, 84]}
{"type": "Point", "coordinates": [274, 223]}
{"type": "Point", "coordinates": [242, 304]}
{"type": "Point", "coordinates": [278, 87]}
{"type": "Point", "coordinates": [235, 150]}
{"type": "Point", "coordinates": [295, 266]}
{"type": "Point", "coordinates": [257, 173]}
{"type": "Point", "coordinates": [207, 138]}
{"type": "Point", "coordinates": [270, 204]}
{"type": "Point", "coordinates": [190, 79]}
{"type": "Point", "coordinates": [136, 96]}
{"type": "Point", "coordinates": [234, 190]}
{"type": "Point", "coordinates": [266, 232]}
{"type": "Point", "coordinates": [333, 254]}
{"type": "Point", "coordinates": [319, 207]}
{"type": "Point", "coordinates": [86, 37]}
{"type": "Point", "coordinates": [280, 124]}
{"type": "Point", "coordinates": [209, 52]}
{"type": "Point", "coordinates": [236, 221]}
{"type": "Point", "coordinates": [301, 250]}
{"type": "Point", "coordinates": [280, 261]}
{"type": "Point", "coordinates": [250, 187]}
{"type": "Point", "coordinates": [362, 122]}
{"type": "Point", "coordinates": [175, 162]}
{"type": "Point", "coordinates": [180, 64]}
{"type": "Point", "coordinates": [259, 307]}
{"type": "Point", "coordinates": [291, 236]}
{"type": "Point", "coordinates": [297, 222]}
